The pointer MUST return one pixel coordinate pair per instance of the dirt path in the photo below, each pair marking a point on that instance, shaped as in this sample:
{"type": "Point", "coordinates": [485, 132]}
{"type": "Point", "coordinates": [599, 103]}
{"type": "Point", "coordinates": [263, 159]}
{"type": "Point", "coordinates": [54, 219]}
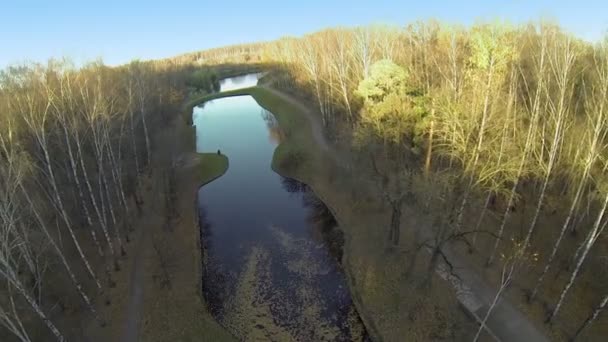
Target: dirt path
{"type": "Point", "coordinates": [136, 294]}
{"type": "Point", "coordinates": [506, 323]}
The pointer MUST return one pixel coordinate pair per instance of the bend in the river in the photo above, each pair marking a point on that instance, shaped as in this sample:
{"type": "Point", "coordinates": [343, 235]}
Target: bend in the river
{"type": "Point", "coordinates": [268, 274]}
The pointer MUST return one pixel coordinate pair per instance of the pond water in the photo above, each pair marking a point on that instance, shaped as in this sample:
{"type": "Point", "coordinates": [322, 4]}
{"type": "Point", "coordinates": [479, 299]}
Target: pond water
{"type": "Point", "coordinates": [239, 82]}
{"type": "Point", "coordinates": [270, 247]}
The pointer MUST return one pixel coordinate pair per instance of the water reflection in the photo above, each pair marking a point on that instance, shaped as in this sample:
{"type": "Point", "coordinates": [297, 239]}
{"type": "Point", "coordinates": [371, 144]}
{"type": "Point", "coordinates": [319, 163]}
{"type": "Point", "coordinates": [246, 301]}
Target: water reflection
{"type": "Point", "coordinates": [239, 82]}
{"type": "Point", "coordinates": [275, 133]}
{"type": "Point", "coordinates": [293, 186]}
{"type": "Point", "coordinates": [322, 222]}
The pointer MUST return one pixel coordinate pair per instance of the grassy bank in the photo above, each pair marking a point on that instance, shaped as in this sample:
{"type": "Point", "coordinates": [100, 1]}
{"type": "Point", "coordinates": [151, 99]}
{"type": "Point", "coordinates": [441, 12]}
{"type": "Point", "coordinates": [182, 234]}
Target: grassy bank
{"type": "Point", "coordinates": [299, 157]}
{"type": "Point", "coordinates": [212, 166]}
{"type": "Point", "coordinates": [384, 282]}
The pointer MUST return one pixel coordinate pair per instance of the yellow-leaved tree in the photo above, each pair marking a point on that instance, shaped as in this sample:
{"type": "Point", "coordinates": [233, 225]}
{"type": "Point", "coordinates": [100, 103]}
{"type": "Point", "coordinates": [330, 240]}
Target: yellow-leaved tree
{"type": "Point", "coordinates": [391, 122]}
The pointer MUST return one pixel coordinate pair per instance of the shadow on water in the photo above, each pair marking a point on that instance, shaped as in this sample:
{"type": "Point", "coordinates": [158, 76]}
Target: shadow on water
{"type": "Point", "coordinates": [271, 248]}
{"type": "Point", "coordinates": [282, 276]}
{"type": "Point", "coordinates": [323, 224]}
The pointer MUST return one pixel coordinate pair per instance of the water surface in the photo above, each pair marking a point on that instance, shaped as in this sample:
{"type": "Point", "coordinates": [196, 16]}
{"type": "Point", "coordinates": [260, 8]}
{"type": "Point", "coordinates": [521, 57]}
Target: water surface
{"type": "Point", "coordinates": [239, 82]}
{"type": "Point", "coordinates": [269, 271]}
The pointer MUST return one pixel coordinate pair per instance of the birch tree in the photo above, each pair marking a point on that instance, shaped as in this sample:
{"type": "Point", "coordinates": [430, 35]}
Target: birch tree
{"type": "Point", "coordinates": [491, 53]}
{"type": "Point", "coordinates": [561, 64]}
{"type": "Point", "coordinates": [513, 263]}
{"type": "Point", "coordinates": [591, 318]}
{"type": "Point", "coordinates": [533, 106]}
{"type": "Point", "coordinates": [36, 113]}
{"type": "Point", "coordinates": [595, 133]}
{"type": "Point", "coordinates": [11, 174]}
{"type": "Point", "coordinates": [596, 230]}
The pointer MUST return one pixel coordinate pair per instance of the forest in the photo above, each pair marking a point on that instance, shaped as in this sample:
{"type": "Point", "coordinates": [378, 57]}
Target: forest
{"type": "Point", "coordinates": [497, 131]}
{"type": "Point", "coordinates": [478, 123]}
{"type": "Point", "coordinates": [76, 143]}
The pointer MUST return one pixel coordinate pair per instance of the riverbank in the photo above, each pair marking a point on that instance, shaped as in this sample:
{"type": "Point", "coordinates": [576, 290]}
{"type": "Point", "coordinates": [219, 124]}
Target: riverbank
{"type": "Point", "coordinates": [299, 157]}
{"type": "Point", "coordinates": [374, 275]}
{"type": "Point", "coordinates": [385, 281]}
{"type": "Point", "coordinates": [212, 166]}
{"type": "Point", "coordinates": [266, 237]}
{"type": "Point", "coordinates": [384, 293]}
{"type": "Point", "coordinates": [166, 301]}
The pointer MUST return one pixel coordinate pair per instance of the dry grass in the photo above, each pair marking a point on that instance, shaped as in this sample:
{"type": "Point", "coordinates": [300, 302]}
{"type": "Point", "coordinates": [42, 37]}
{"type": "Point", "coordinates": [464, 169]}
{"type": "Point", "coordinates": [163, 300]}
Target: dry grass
{"type": "Point", "coordinates": [174, 309]}
{"type": "Point", "coordinates": [212, 166]}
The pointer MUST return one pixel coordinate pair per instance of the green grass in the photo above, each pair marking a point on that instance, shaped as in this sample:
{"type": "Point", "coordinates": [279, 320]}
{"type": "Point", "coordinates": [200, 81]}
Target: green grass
{"type": "Point", "coordinates": [212, 166]}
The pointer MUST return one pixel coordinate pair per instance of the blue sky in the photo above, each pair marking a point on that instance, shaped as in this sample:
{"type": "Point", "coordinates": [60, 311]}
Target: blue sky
{"type": "Point", "coordinates": [119, 31]}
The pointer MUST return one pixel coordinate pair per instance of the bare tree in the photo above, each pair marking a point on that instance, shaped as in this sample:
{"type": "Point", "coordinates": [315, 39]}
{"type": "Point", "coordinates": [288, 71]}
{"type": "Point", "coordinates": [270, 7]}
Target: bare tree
{"type": "Point", "coordinates": [534, 108]}
{"type": "Point", "coordinates": [596, 312]}
{"type": "Point", "coordinates": [513, 263]}
{"type": "Point", "coordinates": [36, 114]}
{"type": "Point", "coordinates": [592, 236]}
{"type": "Point", "coordinates": [596, 133]}
{"type": "Point", "coordinates": [11, 176]}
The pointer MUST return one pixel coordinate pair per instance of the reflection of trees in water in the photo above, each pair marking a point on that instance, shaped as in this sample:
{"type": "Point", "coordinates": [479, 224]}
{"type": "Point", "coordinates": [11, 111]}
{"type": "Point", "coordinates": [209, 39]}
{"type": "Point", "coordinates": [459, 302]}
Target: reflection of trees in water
{"type": "Point", "coordinates": [324, 225]}
{"type": "Point", "coordinates": [206, 237]}
{"type": "Point", "coordinates": [215, 280]}
{"type": "Point", "coordinates": [293, 186]}
{"type": "Point", "coordinates": [275, 132]}
{"type": "Point", "coordinates": [319, 213]}
{"type": "Point", "coordinates": [322, 221]}
{"type": "Point", "coordinates": [199, 107]}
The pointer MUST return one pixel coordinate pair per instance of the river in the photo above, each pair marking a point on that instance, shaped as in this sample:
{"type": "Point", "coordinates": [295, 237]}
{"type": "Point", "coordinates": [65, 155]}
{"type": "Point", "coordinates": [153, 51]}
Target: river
{"type": "Point", "coordinates": [271, 248]}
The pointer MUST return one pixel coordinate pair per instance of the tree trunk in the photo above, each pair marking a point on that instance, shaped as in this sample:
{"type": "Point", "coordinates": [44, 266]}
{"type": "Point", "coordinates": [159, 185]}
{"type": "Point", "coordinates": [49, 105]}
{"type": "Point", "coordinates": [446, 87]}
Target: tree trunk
{"type": "Point", "coordinates": [395, 228]}
{"type": "Point", "coordinates": [476, 152]}
{"type": "Point", "coordinates": [147, 137]}
{"type": "Point", "coordinates": [506, 279]}
{"type": "Point", "coordinates": [83, 202]}
{"type": "Point", "coordinates": [64, 215]}
{"type": "Point", "coordinates": [134, 148]}
{"type": "Point", "coordinates": [38, 310]}
{"type": "Point", "coordinates": [106, 189]}
{"type": "Point", "coordinates": [592, 317]}
{"type": "Point", "coordinates": [13, 324]}
{"type": "Point", "coordinates": [589, 241]}
{"type": "Point", "coordinates": [429, 149]}
{"type": "Point", "coordinates": [100, 216]}
{"type": "Point", "coordinates": [118, 185]}
{"type": "Point", "coordinates": [561, 235]}
{"type": "Point", "coordinates": [481, 217]}
{"type": "Point", "coordinates": [64, 261]}
{"type": "Point", "coordinates": [487, 315]}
